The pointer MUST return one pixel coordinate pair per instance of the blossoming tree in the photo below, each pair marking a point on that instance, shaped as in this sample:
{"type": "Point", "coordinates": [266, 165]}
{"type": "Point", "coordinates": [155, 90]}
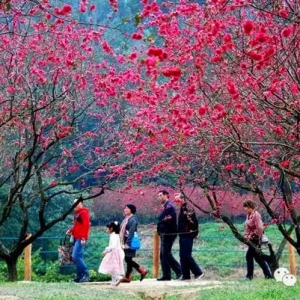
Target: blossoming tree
{"type": "Point", "coordinates": [60, 116]}
{"type": "Point", "coordinates": [219, 101]}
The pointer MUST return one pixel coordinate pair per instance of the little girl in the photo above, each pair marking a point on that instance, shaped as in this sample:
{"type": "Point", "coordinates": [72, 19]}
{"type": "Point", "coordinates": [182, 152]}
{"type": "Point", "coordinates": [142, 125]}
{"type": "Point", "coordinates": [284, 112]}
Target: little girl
{"type": "Point", "coordinates": [113, 260]}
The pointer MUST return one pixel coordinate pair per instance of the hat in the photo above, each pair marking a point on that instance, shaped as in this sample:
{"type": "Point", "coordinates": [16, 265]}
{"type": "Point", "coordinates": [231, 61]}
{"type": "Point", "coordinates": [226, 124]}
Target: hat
{"type": "Point", "coordinates": [131, 207]}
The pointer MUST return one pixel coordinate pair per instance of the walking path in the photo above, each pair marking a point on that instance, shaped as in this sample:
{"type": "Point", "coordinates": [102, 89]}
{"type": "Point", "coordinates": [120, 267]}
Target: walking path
{"type": "Point", "coordinates": [153, 289]}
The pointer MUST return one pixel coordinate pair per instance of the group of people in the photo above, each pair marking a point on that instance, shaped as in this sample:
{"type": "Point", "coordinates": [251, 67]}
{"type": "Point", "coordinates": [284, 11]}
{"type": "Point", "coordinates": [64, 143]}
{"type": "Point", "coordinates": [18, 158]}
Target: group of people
{"type": "Point", "coordinates": [168, 228]}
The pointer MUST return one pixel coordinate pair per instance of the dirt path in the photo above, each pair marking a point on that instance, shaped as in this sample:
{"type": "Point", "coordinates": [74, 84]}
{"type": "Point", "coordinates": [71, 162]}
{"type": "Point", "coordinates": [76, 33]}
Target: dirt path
{"type": "Point", "coordinates": [151, 289]}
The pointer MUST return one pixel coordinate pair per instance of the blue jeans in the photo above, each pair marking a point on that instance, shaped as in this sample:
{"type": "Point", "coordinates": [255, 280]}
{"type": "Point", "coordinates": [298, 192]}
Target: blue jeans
{"type": "Point", "coordinates": [167, 260]}
{"type": "Point", "coordinates": [77, 256]}
{"type": "Point", "coordinates": [187, 262]}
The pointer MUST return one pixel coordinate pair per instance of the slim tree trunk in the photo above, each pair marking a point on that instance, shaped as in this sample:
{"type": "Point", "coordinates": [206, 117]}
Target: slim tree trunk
{"type": "Point", "coordinates": [12, 269]}
{"type": "Point", "coordinates": [271, 259]}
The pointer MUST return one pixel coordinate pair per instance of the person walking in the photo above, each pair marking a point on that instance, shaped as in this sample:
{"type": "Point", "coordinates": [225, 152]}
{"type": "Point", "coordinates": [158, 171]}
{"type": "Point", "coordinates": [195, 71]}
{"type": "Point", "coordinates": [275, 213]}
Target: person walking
{"type": "Point", "coordinates": [253, 233]}
{"type": "Point", "coordinates": [128, 228]}
{"type": "Point", "coordinates": [80, 233]}
{"type": "Point", "coordinates": [188, 230]}
{"type": "Point", "coordinates": [167, 230]}
{"type": "Point", "coordinates": [113, 260]}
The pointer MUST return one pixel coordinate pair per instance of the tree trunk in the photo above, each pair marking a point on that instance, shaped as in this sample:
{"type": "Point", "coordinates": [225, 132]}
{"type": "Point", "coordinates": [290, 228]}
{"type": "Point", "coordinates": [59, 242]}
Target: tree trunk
{"type": "Point", "coordinates": [12, 269]}
{"type": "Point", "coordinates": [271, 259]}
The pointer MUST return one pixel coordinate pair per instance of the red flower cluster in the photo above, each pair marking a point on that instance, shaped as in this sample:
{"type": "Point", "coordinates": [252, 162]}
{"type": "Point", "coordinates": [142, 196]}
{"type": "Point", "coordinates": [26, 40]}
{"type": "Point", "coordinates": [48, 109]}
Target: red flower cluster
{"type": "Point", "coordinates": [136, 36]}
{"type": "Point", "coordinates": [65, 10]}
{"type": "Point", "coordinates": [171, 72]}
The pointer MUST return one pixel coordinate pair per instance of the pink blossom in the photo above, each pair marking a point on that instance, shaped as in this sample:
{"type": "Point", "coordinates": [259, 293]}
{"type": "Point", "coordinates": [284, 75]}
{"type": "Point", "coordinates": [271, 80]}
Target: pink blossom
{"type": "Point", "coordinates": [106, 48]}
{"type": "Point", "coordinates": [283, 13]}
{"type": "Point", "coordinates": [10, 89]}
{"type": "Point", "coordinates": [73, 168]}
{"type": "Point", "coordinates": [66, 9]}
{"type": "Point", "coordinates": [136, 36]}
{"type": "Point", "coordinates": [153, 51]}
{"type": "Point", "coordinates": [248, 27]}
{"type": "Point", "coordinates": [151, 62]}
{"type": "Point", "coordinates": [241, 166]}
{"type": "Point", "coordinates": [232, 88]}
{"type": "Point", "coordinates": [286, 32]}
{"type": "Point", "coordinates": [261, 37]}
{"type": "Point", "coordinates": [202, 110]}
{"type": "Point", "coordinates": [114, 4]}
{"type": "Point", "coordinates": [82, 8]}
{"type": "Point", "coordinates": [227, 38]}
{"type": "Point", "coordinates": [171, 72]}
{"type": "Point", "coordinates": [229, 167]}
{"type": "Point", "coordinates": [98, 150]}
{"type": "Point", "coordinates": [90, 135]}
{"type": "Point", "coordinates": [219, 107]}
{"type": "Point", "coordinates": [278, 130]}
{"type": "Point", "coordinates": [294, 88]}
{"type": "Point", "coordinates": [255, 56]}
{"type": "Point", "coordinates": [285, 164]}
{"type": "Point", "coordinates": [252, 169]}
{"type": "Point", "coordinates": [51, 120]}
{"type": "Point", "coordinates": [133, 55]}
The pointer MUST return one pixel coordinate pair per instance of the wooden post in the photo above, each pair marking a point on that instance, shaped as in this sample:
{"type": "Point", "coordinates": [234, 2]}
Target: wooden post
{"type": "Point", "coordinates": [27, 261]}
{"type": "Point", "coordinates": [292, 259]}
{"type": "Point", "coordinates": [155, 254]}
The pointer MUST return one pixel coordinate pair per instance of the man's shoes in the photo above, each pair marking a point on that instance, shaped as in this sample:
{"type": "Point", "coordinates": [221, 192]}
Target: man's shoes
{"type": "Point", "coordinates": [163, 279]}
{"type": "Point", "coordinates": [184, 278]}
{"type": "Point", "coordinates": [199, 276]}
{"type": "Point", "coordinates": [76, 279]}
{"type": "Point", "coordinates": [178, 276]}
{"type": "Point", "coordinates": [84, 278]}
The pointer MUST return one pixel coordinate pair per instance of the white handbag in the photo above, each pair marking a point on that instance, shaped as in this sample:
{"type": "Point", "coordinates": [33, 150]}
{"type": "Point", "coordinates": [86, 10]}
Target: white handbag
{"type": "Point", "coordinates": [264, 239]}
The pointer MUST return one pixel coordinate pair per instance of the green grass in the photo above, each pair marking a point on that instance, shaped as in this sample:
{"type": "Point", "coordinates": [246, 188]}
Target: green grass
{"type": "Point", "coordinates": [60, 291]}
{"type": "Point", "coordinates": [254, 290]}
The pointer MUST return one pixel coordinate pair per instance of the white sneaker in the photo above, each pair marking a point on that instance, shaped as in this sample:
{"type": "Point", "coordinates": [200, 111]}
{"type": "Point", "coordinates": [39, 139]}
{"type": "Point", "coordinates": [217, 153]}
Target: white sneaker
{"type": "Point", "coordinates": [199, 276]}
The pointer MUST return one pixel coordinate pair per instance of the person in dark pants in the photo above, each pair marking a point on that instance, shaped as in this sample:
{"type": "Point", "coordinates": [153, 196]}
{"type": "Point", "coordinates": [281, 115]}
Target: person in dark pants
{"type": "Point", "coordinates": [167, 230]}
{"type": "Point", "coordinates": [253, 233]}
{"type": "Point", "coordinates": [188, 230]}
{"type": "Point", "coordinates": [127, 230]}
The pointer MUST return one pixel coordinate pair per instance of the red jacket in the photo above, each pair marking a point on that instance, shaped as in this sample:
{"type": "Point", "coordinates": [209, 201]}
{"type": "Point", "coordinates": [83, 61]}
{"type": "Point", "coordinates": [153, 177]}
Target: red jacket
{"type": "Point", "coordinates": [81, 227]}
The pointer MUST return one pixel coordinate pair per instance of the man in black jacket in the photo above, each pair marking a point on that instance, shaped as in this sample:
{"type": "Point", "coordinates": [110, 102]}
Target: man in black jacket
{"type": "Point", "coordinates": [167, 230]}
{"type": "Point", "coordinates": [188, 230]}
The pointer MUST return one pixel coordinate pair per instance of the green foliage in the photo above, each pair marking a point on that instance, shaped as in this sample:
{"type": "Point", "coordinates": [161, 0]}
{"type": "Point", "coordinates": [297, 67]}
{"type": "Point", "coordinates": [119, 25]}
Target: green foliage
{"type": "Point", "coordinates": [218, 253]}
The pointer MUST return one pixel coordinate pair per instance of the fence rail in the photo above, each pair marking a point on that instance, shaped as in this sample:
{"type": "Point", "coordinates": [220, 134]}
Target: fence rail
{"type": "Point", "coordinates": [218, 252]}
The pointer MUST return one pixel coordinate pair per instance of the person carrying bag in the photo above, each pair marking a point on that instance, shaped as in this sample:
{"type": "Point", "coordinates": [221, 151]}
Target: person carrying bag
{"type": "Point", "coordinates": [128, 236]}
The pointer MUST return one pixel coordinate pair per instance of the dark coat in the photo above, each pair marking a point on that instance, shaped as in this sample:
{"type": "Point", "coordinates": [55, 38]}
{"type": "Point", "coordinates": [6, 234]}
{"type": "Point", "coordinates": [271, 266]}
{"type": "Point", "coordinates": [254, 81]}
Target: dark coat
{"type": "Point", "coordinates": [130, 229]}
{"type": "Point", "coordinates": [167, 219]}
{"type": "Point", "coordinates": [187, 221]}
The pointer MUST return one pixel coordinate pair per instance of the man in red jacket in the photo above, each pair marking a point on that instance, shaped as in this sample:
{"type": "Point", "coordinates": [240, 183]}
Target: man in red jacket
{"type": "Point", "coordinates": [80, 232]}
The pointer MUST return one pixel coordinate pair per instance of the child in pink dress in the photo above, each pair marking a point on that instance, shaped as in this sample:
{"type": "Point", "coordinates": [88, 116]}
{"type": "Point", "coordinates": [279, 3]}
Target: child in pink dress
{"type": "Point", "coordinates": [113, 260]}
